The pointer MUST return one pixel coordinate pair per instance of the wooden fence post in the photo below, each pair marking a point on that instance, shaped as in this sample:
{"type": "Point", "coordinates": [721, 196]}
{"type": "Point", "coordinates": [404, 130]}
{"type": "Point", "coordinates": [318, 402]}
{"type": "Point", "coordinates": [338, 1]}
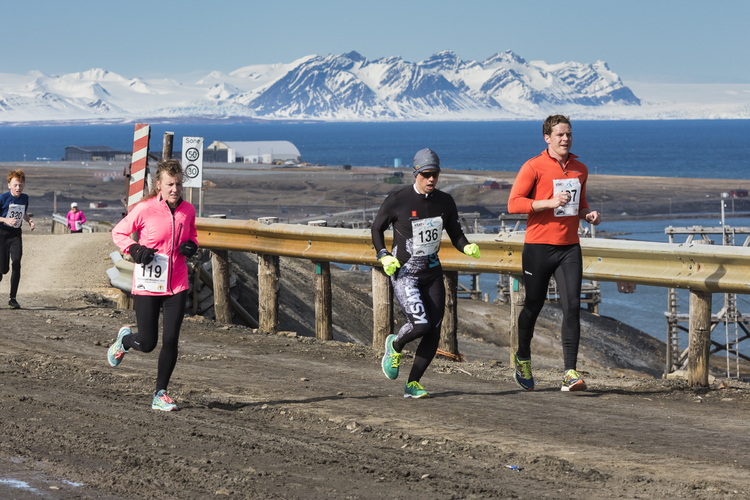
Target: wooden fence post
{"type": "Point", "coordinates": [700, 338]}
{"type": "Point", "coordinates": [323, 301]}
{"type": "Point", "coordinates": [323, 296]}
{"type": "Point", "coordinates": [269, 286]}
{"type": "Point", "coordinates": [220, 265]}
{"type": "Point", "coordinates": [168, 144]}
{"type": "Point", "coordinates": [124, 300]}
{"type": "Point", "coordinates": [448, 340]}
{"type": "Point", "coordinates": [517, 298]}
{"type": "Point", "coordinates": [382, 307]}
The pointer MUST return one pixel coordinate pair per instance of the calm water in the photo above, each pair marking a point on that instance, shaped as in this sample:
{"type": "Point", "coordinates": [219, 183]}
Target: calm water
{"type": "Point", "coordinates": [700, 148]}
{"type": "Point", "coordinates": [690, 148]}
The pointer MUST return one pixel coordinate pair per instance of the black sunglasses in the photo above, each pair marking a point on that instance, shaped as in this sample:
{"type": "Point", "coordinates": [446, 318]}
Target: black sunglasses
{"type": "Point", "coordinates": [429, 175]}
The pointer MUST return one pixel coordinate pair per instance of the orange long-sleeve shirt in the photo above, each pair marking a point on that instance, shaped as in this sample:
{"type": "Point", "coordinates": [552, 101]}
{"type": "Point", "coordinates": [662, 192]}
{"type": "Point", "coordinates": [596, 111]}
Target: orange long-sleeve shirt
{"type": "Point", "coordinates": [535, 181]}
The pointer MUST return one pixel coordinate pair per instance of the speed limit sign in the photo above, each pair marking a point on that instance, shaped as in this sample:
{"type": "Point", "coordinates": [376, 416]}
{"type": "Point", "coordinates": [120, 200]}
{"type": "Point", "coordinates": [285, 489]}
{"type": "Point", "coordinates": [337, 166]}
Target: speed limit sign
{"type": "Point", "coordinates": [192, 154]}
{"type": "Point", "coordinates": [192, 162]}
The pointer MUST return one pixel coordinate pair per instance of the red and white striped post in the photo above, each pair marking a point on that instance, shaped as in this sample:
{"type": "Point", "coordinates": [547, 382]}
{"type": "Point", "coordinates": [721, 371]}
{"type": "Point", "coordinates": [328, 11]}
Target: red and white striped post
{"type": "Point", "coordinates": [138, 164]}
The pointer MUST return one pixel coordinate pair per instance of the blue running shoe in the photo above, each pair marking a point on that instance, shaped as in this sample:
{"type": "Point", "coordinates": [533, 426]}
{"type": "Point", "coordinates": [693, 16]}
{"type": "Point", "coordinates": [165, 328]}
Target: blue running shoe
{"type": "Point", "coordinates": [572, 382]}
{"type": "Point", "coordinates": [163, 402]}
{"type": "Point", "coordinates": [116, 352]}
{"type": "Point", "coordinates": [414, 390]}
{"type": "Point", "coordinates": [391, 359]}
{"type": "Point", "coordinates": [522, 375]}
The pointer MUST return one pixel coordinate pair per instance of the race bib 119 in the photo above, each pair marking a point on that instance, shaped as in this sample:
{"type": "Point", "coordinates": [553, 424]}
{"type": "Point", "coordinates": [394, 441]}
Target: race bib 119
{"type": "Point", "coordinates": [152, 277]}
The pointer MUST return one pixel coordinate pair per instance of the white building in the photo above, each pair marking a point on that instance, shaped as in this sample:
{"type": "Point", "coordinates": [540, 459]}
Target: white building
{"type": "Point", "coordinates": [258, 151]}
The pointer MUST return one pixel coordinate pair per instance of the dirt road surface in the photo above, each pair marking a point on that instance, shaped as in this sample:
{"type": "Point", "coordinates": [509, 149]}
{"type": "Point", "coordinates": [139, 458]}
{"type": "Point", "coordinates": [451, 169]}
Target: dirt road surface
{"type": "Point", "coordinates": [291, 417]}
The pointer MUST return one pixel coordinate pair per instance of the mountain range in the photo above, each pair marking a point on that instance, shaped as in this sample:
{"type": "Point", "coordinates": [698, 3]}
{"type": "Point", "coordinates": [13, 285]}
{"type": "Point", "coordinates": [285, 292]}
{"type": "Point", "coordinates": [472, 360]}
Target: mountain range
{"type": "Point", "coordinates": [346, 87]}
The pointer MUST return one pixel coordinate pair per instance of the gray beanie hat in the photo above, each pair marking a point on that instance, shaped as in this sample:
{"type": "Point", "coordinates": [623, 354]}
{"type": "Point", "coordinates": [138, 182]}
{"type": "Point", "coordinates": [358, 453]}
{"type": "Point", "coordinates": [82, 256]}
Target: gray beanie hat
{"type": "Point", "coordinates": [425, 160]}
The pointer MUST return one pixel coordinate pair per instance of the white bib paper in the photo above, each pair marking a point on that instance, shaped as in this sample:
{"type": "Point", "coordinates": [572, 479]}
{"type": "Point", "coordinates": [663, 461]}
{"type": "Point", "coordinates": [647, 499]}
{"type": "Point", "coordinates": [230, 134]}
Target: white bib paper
{"type": "Point", "coordinates": [77, 225]}
{"type": "Point", "coordinates": [426, 234]}
{"type": "Point", "coordinates": [573, 188]}
{"type": "Point", "coordinates": [154, 276]}
{"type": "Point", "coordinates": [16, 212]}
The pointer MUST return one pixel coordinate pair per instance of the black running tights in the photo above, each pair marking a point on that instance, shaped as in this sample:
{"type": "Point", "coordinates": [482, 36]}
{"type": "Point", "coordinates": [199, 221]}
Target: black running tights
{"type": "Point", "coordinates": [145, 339]}
{"type": "Point", "coordinates": [11, 250]}
{"type": "Point", "coordinates": [539, 263]}
{"type": "Point", "coordinates": [422, 299]}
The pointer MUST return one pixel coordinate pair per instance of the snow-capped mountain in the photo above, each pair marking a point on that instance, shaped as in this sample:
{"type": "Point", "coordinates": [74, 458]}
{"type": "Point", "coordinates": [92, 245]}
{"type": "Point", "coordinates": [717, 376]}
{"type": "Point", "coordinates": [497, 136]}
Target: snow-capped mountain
{"type": "Point", "coordinates": [334, 87]}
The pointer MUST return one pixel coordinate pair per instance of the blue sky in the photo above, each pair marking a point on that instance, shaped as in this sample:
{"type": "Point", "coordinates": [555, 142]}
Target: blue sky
{"type": "Point", "coordinates": [659, 41]}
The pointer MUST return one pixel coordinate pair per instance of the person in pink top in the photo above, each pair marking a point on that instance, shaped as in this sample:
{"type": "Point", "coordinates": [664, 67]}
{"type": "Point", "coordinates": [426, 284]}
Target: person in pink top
{"type": "Point", "coordinates": [76, 219]}
{"type": "Point", "coordinates": [167, 237]}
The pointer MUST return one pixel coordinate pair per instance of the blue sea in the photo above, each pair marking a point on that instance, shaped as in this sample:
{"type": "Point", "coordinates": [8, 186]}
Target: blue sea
{"type": "Point", "coordinates": [687, 148]}
{"type": "Point", "coordinates": [698, 148]}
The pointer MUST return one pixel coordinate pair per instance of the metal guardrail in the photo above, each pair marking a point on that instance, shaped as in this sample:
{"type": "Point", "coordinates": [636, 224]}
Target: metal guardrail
{"type": "Point", "coordinates": [706, 268]}
{"type": "Point", "coordinates": [121, 276]}
{"type": "Point", "coordinates": [64, 221]}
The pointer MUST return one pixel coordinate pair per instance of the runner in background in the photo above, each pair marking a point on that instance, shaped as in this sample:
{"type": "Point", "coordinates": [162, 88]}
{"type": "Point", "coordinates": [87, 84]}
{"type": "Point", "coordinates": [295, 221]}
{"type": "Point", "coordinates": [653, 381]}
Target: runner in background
{"type": "Point", "coordinates": [14, 206]}
{"type": "Point", "coordinates": [76, 219]}
{"type": "Point", "coordinates": [418, 214]}
{"type": "Point", "coordinates": [551, 189]}
{"type": "Point", "coordinates": [167, 236]}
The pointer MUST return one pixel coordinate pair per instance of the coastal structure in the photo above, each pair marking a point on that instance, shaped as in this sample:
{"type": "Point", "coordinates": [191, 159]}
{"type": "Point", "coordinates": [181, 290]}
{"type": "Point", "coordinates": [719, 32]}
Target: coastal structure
{"type": "Point", "coordinates": [95, 153]}
{"type": "Point", "coordinates": [267, 152]}
{"type": "Point", "coordinates": [736, 324]}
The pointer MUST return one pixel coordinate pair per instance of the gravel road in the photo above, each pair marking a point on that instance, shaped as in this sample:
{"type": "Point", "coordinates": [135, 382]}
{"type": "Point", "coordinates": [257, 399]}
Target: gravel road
{"type": "Point", "coordinates": [291, 417]}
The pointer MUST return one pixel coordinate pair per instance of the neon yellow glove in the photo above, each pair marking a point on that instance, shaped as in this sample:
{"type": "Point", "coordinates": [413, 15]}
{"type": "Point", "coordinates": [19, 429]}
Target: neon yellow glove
{"type": "Point", "coordinates": [472, 250]}
{"type": "Point", "coordinates": [390, 264]}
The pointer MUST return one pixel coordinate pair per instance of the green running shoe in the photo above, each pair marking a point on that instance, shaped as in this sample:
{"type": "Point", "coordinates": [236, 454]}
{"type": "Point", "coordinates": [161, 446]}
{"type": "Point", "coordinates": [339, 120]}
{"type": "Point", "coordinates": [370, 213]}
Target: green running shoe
{"type": "Point", "coordinates": [572, 382]}
{"type": "Point", "coordinates": [163, 402]}
{"type": "Point", "coordinates": [522, 375]}
{"type": "Point", "coordinates": [391, 359]}
{"type": "Point", "coordinates": [116, 352]}
{"type": "Point", "coordinates": [414, 390]}
{"type": "Point", "coordinates": [13, 304]}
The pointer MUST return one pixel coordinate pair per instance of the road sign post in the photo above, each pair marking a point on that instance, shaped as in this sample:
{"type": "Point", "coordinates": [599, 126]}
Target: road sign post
{"type": "Point", "coordinates": [192, 164]}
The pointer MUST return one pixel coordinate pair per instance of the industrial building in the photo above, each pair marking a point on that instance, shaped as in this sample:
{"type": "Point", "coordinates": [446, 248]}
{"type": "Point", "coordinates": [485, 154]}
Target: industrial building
{"type": "Point", "coordinates": [95, 153]}
{"type": "Point", "coordinates": [265, 152]}
{"type": "Point", "coordinates": [268, 152]}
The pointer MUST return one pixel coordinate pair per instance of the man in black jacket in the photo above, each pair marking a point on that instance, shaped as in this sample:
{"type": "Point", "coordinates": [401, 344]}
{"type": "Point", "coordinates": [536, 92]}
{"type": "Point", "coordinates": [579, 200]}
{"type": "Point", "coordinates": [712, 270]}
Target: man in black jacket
{"type": "Point", "coordinates": [418, 213]}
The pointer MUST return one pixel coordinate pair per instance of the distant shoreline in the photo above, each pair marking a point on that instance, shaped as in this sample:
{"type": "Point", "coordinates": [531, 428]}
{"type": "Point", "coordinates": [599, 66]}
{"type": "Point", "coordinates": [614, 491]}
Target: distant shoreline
{"type": "Point", "coordinates": [219, 120]}
{"type": "Point", "coordinates": [703, 215]}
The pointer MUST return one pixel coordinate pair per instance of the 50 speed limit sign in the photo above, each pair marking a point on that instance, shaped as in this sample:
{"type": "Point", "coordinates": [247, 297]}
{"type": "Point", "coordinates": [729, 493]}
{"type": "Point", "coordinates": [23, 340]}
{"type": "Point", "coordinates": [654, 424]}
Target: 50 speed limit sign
{"type": "Point", "coordinates": [192, 162]}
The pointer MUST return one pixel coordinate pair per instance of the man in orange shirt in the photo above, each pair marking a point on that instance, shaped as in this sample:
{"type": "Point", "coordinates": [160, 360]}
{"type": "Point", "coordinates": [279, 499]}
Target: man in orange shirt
{"type": "Point", "coordinates": [551, 189]}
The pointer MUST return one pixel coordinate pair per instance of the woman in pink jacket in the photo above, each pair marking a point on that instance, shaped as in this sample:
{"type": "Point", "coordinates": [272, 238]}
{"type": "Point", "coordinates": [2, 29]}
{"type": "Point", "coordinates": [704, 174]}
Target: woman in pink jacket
{"type": "Point", "coordinates": [167, 236]}
{"type": "Point", "coordinates": [76, 219]}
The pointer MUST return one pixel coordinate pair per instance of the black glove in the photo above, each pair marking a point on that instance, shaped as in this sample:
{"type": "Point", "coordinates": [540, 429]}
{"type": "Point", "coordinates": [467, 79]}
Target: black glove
{"type": "Point", "coordinates": [141, 254]}
{"type": "Point", "coordinates": [188, 248]}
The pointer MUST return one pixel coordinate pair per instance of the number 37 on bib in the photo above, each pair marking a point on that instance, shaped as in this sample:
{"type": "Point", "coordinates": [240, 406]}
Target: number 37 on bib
{"type": "Point", "coordinates": [573, 188]}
